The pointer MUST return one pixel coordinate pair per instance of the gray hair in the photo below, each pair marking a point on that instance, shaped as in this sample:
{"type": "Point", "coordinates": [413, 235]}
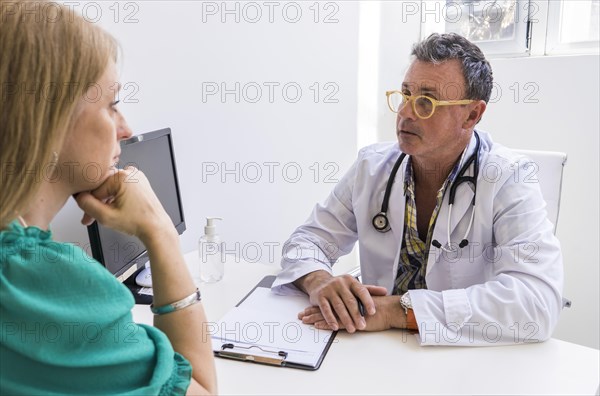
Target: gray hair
{"type": "Point", "coordinates": [476, 69]}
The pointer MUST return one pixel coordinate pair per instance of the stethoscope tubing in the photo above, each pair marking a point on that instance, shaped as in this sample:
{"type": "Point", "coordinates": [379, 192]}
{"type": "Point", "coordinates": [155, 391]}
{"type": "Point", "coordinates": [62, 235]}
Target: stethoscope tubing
{"type": "Point", "coordinates": [381, 221]}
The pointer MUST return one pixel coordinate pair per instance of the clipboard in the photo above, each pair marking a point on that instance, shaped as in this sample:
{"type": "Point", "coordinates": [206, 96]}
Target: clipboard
{"type": "Point", "coordinates": [250, 316]}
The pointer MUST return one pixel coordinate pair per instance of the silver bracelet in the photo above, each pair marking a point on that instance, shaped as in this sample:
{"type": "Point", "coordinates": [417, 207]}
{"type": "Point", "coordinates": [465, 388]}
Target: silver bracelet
{"type": "Point", "coordinates": [177, 305]}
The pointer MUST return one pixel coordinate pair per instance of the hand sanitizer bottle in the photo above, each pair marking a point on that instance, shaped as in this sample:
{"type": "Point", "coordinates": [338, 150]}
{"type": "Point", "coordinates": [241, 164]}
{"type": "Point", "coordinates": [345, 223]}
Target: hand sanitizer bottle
{"type": "Point", "coordinates": [212, 263]}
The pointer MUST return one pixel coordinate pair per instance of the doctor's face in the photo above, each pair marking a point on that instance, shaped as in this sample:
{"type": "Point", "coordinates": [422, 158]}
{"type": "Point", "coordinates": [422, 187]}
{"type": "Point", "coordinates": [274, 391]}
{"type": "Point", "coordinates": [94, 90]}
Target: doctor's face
{"type": "Point", "coordinates": [446, 133]}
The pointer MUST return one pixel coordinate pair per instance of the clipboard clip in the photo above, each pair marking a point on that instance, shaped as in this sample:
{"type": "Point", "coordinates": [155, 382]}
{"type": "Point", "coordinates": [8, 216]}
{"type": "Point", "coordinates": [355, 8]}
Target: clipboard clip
{"type": "Point", "coordinates": [247, 357]}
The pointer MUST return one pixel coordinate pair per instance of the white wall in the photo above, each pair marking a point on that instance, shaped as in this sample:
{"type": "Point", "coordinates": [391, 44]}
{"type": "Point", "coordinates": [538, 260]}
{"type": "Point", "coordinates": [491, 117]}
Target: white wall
{"type": "Point", "coordinates": [170, 52]}
{"type": "Point", "coordinates": [177, 48]}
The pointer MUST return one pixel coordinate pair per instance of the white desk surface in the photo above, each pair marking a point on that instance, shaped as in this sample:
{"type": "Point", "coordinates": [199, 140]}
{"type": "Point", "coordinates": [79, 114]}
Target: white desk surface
{"type": "Point", "coordinates": [392, 362]}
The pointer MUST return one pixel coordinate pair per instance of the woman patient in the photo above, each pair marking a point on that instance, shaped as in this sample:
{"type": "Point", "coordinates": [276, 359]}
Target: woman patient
{"type": "Point", "coordinates": [66, 324]}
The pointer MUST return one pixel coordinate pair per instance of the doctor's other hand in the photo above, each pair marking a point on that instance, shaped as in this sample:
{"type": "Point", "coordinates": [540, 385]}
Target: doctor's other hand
{"type": "Point", "coordinates": [383, 319]}
{"type": "Point", "coordinates": [126, 202]}
{"type": "Point", "coordinates": [336, 299]}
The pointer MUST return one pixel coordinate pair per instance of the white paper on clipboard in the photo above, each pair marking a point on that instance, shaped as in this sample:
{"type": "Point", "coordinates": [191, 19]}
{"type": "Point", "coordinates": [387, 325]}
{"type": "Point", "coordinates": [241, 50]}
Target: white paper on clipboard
{"type": "Point", "coordinates": [266, 324]}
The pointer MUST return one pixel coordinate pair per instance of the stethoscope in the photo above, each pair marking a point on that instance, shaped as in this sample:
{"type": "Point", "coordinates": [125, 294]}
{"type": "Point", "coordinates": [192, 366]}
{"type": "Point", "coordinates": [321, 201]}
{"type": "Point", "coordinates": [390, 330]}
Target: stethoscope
{"type": "Point", "coordinates": [381, 222]}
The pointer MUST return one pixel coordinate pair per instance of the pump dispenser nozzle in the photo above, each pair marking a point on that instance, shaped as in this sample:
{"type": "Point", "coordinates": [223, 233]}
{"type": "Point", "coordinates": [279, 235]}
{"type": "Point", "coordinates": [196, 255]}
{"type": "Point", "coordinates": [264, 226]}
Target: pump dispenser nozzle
{"type": "Point", "coordinates": [211, 228]}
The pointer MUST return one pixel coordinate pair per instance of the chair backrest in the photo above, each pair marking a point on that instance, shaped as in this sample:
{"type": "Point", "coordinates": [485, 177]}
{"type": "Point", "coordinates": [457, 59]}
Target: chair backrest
{"type": "Point", "coordinates": [547, 167]}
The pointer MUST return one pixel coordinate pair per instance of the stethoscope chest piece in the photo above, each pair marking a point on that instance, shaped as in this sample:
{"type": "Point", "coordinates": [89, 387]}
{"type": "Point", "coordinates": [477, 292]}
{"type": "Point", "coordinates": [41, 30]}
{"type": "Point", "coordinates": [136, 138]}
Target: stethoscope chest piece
{"type": "Point", "coordinates": [381, 222]}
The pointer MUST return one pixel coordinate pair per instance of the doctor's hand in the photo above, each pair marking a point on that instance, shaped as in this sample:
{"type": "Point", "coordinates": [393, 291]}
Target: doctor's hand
{"type": "Point", "coordinates": [385, 318]}
{"type": "Point", "coordinates": [335, 297]}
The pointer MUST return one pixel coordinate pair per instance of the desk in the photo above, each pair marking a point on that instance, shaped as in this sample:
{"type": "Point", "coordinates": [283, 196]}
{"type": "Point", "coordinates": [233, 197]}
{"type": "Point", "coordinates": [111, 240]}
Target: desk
{"type": "Point", "coordinates": [392, 362]}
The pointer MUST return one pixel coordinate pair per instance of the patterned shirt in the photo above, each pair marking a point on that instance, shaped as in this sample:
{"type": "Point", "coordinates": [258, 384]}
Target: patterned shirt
{"type": "Point", "coordinates": [412, 265]}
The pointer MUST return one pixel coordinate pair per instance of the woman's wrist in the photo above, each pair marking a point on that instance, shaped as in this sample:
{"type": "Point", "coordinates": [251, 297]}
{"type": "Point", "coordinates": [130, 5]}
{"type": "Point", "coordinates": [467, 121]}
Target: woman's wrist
{"type": "Point", "coordinates": [158, 235]}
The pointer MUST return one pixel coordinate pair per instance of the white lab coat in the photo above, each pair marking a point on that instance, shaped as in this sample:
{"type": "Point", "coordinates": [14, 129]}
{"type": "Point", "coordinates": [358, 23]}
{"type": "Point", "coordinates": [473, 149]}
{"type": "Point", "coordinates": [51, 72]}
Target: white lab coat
{"type": "Point", "coordinates": [505, 287]}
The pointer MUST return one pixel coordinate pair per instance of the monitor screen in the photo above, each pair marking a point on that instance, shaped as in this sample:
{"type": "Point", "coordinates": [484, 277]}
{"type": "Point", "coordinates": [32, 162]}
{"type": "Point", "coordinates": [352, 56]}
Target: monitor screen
{"type": "Point", "coordinates": [152, 153]}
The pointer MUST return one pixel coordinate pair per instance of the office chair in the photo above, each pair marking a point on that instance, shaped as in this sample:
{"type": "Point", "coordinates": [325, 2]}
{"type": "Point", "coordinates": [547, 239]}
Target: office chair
{"type": "Point", "coordinates": [547, 169]}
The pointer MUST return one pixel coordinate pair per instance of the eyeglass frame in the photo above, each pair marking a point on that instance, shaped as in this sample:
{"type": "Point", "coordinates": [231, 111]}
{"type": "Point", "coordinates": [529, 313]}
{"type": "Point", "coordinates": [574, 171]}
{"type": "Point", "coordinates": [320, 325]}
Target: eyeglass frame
{"type": "Point", "coordinates": [435, 102]}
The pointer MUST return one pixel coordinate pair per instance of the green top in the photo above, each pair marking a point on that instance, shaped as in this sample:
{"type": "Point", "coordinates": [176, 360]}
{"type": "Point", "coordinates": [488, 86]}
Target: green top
{"type": "Point", "coordinates": [66, 326]}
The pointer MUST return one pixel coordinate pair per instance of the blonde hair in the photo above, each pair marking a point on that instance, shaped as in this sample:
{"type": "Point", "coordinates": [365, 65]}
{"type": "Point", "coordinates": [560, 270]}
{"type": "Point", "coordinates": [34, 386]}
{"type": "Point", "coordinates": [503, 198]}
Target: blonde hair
{"type": "Point", "coordinates": [49, 56]}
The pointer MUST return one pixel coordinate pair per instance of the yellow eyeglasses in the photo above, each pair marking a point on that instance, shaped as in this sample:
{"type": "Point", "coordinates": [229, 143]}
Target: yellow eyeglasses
{"type": "Point", "coordinates": [422, 105]}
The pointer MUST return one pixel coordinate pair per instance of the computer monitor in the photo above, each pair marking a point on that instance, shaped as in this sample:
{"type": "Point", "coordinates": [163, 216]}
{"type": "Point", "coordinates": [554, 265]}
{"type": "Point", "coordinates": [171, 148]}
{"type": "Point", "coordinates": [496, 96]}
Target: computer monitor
{"type": "Point", "coordinates": [152, 152]}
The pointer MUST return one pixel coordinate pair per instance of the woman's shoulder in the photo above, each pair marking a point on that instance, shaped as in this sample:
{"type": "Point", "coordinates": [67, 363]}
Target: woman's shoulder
{"type": "Point", "coordinates": [38, 274]}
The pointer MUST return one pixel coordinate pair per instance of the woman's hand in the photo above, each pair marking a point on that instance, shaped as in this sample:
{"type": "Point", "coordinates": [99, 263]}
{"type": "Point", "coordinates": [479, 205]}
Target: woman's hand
{"type": "Point", "coordinates": [126, 202]}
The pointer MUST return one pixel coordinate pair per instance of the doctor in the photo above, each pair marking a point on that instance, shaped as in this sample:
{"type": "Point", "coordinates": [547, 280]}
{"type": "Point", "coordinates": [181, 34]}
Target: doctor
{"type": "Point", "coordinates": [486, 270]}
